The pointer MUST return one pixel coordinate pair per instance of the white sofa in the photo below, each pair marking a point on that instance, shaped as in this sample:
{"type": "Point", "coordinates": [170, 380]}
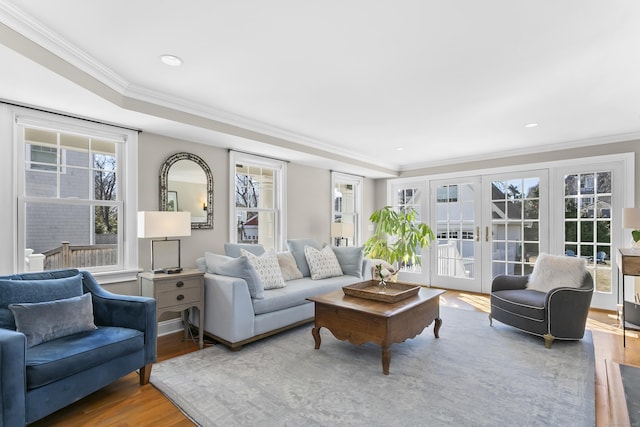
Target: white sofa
{"type": "Point", "coordinates": [234, 318]}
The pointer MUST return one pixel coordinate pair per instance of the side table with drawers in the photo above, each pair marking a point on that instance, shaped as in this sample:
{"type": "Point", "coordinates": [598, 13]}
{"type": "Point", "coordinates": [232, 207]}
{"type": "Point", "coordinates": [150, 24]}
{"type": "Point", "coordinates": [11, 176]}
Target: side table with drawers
{"type": "Point", "coordinates": [176, 292]}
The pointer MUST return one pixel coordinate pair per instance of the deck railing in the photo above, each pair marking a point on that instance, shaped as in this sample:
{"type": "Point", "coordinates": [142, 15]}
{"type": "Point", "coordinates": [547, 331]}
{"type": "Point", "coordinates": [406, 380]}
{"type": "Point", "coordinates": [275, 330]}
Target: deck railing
{"type": "Point", "coordinates": [80, 256]}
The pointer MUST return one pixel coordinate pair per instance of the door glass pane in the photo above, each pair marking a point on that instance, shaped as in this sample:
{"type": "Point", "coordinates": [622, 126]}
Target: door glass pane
{"type": "Point", "coordinates": [587, 223]}
{"type": "Point", "coordinates": [515, 225]}
{"type": "Point", "coordinates": [455, 233]}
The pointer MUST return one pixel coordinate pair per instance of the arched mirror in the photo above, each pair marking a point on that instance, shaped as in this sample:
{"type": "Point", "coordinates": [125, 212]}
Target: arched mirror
{"type": "Point", "coordinates": [186, 184]}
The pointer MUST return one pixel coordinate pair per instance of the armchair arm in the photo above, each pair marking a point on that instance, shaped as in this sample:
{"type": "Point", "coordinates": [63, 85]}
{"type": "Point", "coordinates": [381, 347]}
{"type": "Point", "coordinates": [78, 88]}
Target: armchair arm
{"type": "Point", "coordinates": [506, 282]}
{"type": "Point", "coordinates": [124, 311]}
{"type": "Point", "coordinates": [13, 393]}
{"type": "Point", "coordinates": [568, 309]}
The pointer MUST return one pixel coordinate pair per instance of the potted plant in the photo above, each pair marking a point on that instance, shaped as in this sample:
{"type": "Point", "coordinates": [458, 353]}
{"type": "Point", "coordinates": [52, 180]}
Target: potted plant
{"type": "Point", "coordinates": [397, 237]}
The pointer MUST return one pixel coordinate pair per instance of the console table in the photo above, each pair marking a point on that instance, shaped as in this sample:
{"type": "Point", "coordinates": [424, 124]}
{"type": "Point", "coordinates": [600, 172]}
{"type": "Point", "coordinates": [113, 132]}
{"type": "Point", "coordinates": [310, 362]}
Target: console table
{"type": "Point", "coordinates": [176, 292]}
{"type": "Point", "coordinates": [628, 261]}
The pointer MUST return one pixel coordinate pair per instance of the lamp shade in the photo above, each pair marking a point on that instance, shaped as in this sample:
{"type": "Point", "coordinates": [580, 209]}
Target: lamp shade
{"type": "Point", "coordinates": [152, 224]}
{"type": "Point", "coordinates": [341, 229]}
{"type": "Point", "coordinates": [631, 218]}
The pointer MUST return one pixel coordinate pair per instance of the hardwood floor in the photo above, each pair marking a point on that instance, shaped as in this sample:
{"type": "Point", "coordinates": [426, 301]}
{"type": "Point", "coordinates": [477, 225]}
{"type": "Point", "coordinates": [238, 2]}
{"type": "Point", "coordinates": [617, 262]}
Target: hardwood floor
{"type": "Point", "coordinates": [125, 403]}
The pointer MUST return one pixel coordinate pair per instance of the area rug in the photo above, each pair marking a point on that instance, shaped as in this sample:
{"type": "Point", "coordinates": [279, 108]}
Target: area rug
{"type": "Point", "coordinates": [631, 383]}
{"type": "Point", "coordinates": [473, 375]}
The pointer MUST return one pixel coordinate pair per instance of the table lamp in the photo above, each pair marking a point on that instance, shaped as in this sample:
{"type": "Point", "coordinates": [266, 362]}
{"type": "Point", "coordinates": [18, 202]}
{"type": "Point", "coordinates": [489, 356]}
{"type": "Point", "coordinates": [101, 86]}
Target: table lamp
{"type": "Point", "coordinates": [631, 219]}
{"type": "Point", "coordinates": [165, 253]}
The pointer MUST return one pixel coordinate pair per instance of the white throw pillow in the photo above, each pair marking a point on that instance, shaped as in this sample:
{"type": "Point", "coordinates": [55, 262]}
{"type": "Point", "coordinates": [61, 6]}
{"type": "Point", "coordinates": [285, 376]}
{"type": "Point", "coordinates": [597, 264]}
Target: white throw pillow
{"type": "Point", "coordinates": [553, 271]}
{"type": "Point", "coordinates": [288, 266]}
{"type": "Point", "coordinates": [267, 267]}
{"type": "Point", "coordinates": [322, 264]}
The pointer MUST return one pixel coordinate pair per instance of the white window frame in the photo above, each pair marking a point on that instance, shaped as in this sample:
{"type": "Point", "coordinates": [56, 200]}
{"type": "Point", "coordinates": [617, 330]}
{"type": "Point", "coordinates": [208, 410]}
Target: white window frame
{"type": "Point", "coordinates": [358, 189]}
{"type": "Point", "coordinates": [13, 118]}
{"type": "Point", "coordinates": [279, 191]}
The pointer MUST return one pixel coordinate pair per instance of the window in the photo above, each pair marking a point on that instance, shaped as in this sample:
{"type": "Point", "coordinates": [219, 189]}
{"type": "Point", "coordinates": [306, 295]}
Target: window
{"type": "Point", "coordinates": [71, 205]}
{"type": "Point", "coordinates": [587, 222]}
{"type": "Point", "coordinates": [257, 206]}
{"type": "Point", "coordinates": [346, 208]}
{"type": "Point", "coordinates": [406, 198]}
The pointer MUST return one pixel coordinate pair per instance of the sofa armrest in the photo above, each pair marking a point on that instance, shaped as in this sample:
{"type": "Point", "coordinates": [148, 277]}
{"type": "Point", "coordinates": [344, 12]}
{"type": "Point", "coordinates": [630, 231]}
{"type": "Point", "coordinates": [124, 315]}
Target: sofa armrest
{"type": "Point", "coordinates": [506, 282]}
{"type": "Point", "coordinates": [124, 311]}
{"type": "Point", "coordinates": [228, 308]}
{"type": "Point", "coordinates": [13, 393]}
{"type": "Point", "coordinates": [367, 268]}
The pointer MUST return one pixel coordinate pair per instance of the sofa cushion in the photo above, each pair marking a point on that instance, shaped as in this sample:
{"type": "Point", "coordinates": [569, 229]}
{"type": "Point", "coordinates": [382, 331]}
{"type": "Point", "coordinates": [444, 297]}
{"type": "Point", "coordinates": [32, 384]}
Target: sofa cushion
{"type": "Point", "coordinates": [235, 267]}
{"type": "Point", "coordinates": [322, 264]}
{"type": "Point", "coordinates": [297, 291]}
{"type": "Point", "coordinates": [267, 267]}
{"type": "Point", "coordinates": [553, 271]}
{"type": "Point", "coordinates": [66, 356]}
{"type": "Point", "coordinates": [21, 291]}
{"type": "Point", "coordinates": [46, 321]}
{"type": "Point", "coordinates": [350, 259]}
{"type": "Point", "coordinates": [296, 247]}
{"type": "Point", "coordinates": [233, 249]}
{"type": "Point", "coordinates": [521, 302]}
{"type": "Point", "coordinates": [288, 266]}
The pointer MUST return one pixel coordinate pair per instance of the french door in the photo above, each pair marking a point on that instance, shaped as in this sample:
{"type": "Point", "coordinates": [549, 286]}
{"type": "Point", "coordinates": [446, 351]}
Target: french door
{"type": "Point", "coordinates": [486, 226]}
{"type": "Point", "coordinates": [516, 224]}
{"type": "Point", "coordinates": [456, 253]}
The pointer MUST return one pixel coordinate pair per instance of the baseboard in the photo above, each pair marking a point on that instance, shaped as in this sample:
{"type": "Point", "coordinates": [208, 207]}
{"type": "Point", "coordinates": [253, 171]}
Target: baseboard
{"type": "Point", "coordinates": [167, 327]}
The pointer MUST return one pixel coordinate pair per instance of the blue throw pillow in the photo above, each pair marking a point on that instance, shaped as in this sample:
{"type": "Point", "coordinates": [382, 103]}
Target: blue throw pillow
{"type": "Point", "coordinates": [296, 247]}
{"type": "Point", "coordinates": [350, 259]}
{"type": "Point", "coordinates": [30, 291]}
{"type": "Point", "coordinates": [236, 267]}
{"type": "Point", "coordinates": [233, 249]}
{"type": "Point", "coordinates": [46, 321]}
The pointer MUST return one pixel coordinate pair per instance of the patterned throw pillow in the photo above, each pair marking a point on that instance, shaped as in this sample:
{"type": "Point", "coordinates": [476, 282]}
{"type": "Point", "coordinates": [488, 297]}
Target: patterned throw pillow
{"type": "Point", "coordinates": [322, 264]}
{"type": "Point", "coordinates": [267, 267]}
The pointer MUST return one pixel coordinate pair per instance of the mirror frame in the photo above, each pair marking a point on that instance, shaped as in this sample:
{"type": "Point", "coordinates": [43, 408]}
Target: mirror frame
{"type": "Point", "coordinates": [164, 185]}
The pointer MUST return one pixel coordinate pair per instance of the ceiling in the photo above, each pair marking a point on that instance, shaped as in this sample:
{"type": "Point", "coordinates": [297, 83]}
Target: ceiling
{"type": "Point", "coordinates": [372, 88]}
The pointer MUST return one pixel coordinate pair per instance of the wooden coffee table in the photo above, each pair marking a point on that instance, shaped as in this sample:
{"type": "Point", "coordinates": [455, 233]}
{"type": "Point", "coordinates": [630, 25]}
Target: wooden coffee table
{"type": "Point", "coordinates": [361, 320]}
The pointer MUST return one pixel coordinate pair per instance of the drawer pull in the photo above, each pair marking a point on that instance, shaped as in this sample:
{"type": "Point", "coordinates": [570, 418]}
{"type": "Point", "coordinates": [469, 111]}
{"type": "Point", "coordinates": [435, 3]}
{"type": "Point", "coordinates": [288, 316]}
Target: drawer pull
{"type": "Point", "coordinates": [180, 297]}
{"type": "Point", "coordinates": [180, 284]}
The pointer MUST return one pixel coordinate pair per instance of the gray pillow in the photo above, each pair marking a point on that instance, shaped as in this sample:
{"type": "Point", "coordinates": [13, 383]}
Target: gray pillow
{"type": "Point", "coordinates": [233, 249]}
{"type": "Point", "coordinates": [236, 267]}
{"type": "Point", "coordinates": [46, 321]}
{"type": "Point", "coordinates": [296, 247]}
{"type": "Point", "coordinates": [350, 259]}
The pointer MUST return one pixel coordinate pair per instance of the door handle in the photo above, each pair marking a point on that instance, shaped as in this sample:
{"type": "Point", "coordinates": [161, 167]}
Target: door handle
{"type": "Point", "coordinates": [486, 234]}
{"type": "Point", "coordinates": [477, 234]}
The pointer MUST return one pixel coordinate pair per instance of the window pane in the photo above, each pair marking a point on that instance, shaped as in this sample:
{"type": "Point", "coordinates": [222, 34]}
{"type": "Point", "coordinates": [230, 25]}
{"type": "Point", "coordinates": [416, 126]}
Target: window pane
{"type": "Point", "coordinates": [40, 183]}
{"type": "Point", "coordinates": [256, 227]}
{"type": "Point", "coordinates": [72, 235]}
{"type": "Point", "coordinates": [75, 183]}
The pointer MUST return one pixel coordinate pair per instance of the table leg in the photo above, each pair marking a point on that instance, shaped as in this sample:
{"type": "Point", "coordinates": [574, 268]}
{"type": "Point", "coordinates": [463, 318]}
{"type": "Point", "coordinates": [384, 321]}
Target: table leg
{"type": "Point", "coordinates": [185, 323]}
{"type": "Point", "coordinates": [436, 327]}
{"type": "Point", "coordinates": [386, 359]}
{"type": "Point", "coordinates": [201, 328]}
{"type": "Point", "coordinates": [316, 336]}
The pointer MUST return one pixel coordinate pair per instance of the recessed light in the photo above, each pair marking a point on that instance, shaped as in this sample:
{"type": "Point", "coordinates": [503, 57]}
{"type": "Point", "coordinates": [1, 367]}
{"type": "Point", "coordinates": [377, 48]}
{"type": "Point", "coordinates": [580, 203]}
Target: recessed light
{"type": "Point", "coordinates": [400, 149]}
{"type": "Point", "coordinates": [171, 60]}
{"type": "Point", "coordinates": [531, 125]}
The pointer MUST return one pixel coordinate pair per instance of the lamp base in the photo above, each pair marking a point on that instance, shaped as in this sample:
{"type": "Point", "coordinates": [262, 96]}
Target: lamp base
{"type": "Point", "coordinates": [172, 270]}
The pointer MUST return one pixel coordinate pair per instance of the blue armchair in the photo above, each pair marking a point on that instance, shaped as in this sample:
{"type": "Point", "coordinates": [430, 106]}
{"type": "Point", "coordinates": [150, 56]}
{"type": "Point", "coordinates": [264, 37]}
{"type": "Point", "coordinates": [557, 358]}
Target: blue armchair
{"type": "Point", "coordinates": [43, 371]}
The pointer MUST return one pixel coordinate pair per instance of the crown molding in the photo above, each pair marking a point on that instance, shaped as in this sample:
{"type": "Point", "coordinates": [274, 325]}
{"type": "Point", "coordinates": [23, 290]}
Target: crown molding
{"type": "Point", "coordinates": [567, 145]}
{"type": "Point", "coordinates": [20, 22]}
